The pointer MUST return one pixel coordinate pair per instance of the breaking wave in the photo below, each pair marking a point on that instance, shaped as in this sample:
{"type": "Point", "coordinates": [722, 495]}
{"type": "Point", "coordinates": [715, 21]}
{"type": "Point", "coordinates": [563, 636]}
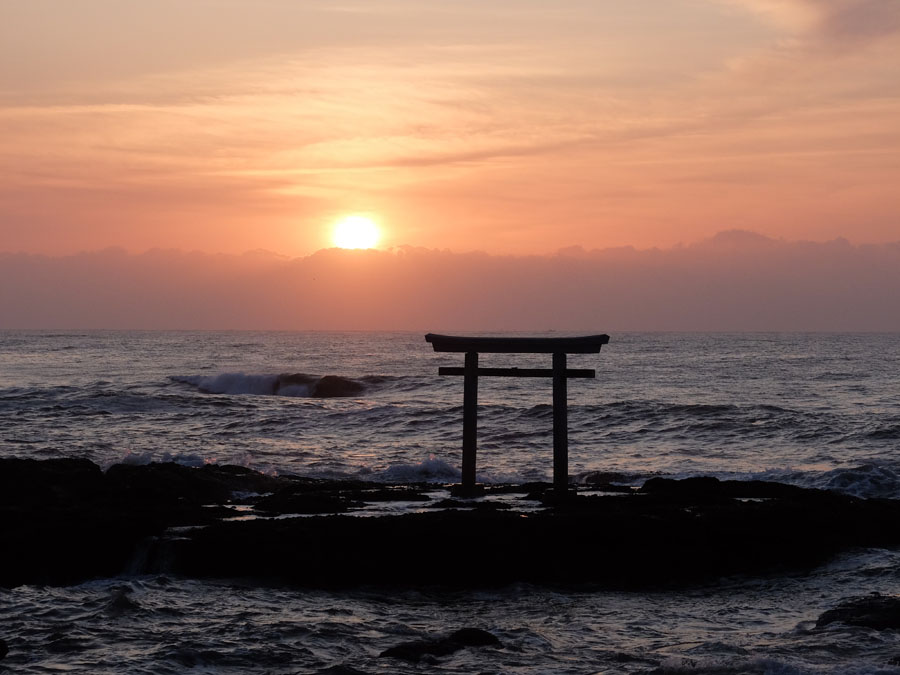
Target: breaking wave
{"type": "Point", "coordinates": [285, 384]}
{"type": "Point", "coordinates": [431, 470]}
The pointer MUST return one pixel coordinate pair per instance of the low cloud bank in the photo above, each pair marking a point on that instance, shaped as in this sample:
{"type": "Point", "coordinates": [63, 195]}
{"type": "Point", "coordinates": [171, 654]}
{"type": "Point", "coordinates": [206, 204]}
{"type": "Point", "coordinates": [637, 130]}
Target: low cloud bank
{"type": "Point", "coordinates": [735, 281]}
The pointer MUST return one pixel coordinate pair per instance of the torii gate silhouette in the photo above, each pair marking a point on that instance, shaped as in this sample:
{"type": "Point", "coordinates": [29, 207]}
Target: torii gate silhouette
{"type": "Point", "coordinates": [559, 347]}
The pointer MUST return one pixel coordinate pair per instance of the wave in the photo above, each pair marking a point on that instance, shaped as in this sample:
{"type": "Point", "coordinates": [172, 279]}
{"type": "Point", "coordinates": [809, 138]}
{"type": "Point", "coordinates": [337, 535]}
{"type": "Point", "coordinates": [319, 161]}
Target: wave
{"type": "Point", "coordinates": [866, 480]}
{"type": "Point", "coordinates": [888, 432]}
{"type": "Point", "coordinates": [285, 384]}
{"type": "Point", "coordinates": [431, 470]}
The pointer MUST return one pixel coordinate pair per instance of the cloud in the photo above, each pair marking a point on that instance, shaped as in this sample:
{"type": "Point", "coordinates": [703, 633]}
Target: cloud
{"type": "Point", "coordinates": [734, 281]}
{"type": "Point", "coordinates": [830, 20]}
{"type": "Point", "coordinates": [860, 19]}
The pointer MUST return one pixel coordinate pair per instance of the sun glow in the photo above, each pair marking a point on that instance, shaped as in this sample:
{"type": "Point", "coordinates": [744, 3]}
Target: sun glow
{"type": "Point", "coordinates": [355, 232]}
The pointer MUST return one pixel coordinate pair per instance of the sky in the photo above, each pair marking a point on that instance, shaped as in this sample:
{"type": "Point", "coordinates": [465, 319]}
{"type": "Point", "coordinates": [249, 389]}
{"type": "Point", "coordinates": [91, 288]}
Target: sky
{"type": "Point", "coordinates": [509, 129]}
{"type": "Point", "coordinates": [734, 281]}
{"type": "Point", "coordinates": [512, 127]}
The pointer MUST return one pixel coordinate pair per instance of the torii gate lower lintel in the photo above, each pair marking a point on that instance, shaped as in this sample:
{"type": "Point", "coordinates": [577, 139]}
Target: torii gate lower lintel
{"type": "Point", "coordinates": [559, 347]}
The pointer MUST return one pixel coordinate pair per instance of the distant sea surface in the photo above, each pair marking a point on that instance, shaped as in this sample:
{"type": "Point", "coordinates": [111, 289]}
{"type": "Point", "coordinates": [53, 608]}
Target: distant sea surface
{"type": "Point", "coordinates": [816, 410]}
{"type": "Point", "coordinates": [813, 409]}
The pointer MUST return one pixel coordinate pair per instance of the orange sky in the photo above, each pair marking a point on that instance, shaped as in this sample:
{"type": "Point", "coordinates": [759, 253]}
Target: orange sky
{"type": "Point", "coordinates": [517, 126]}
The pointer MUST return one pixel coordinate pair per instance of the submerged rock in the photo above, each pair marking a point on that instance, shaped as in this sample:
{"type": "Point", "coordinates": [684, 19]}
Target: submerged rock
{"type": "Point", "coordinates": [418, 649]}
{"type": "Point", "coordinates": [874, 611]}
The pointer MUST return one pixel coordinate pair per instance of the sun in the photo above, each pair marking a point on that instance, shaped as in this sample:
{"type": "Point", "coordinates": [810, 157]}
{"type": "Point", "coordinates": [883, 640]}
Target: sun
{"type": "Point", "coordinates": [355, 232]}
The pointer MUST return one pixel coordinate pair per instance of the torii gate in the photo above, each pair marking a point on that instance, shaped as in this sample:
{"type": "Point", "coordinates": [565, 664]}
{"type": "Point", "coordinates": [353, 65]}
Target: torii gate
{"type": "Point", "coordinates": [559, 347]}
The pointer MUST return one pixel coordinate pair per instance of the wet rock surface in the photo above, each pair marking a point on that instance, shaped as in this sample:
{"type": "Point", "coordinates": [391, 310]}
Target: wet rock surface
{"type": "Point", "coordinates": [64, 521]}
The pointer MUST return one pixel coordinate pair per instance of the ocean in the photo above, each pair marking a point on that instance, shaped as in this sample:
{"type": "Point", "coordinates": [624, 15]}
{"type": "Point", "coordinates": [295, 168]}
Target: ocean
{"type": "Point", "coordinates": [815, 410]}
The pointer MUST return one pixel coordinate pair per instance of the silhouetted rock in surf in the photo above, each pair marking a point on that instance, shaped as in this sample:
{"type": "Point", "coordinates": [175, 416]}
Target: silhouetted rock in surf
{"type": "Point", "coordinates": [119, 603]}
{"type": "Point", "coordinates": [329, 386]}
{"type": "Point", "coordinates": [332, 386]}
{"type": "Point", "coordinates": [874, 611]}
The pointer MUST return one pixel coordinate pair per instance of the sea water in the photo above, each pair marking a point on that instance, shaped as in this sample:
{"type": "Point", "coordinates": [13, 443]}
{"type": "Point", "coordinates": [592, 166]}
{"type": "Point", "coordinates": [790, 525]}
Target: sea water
{"type": "Point", "coordinates": [816, 410]}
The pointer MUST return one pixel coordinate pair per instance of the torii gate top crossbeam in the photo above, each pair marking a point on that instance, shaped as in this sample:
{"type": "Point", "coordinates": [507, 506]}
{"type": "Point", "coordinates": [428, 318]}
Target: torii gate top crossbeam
{"type": "Point", "coordinates": [589, 344]}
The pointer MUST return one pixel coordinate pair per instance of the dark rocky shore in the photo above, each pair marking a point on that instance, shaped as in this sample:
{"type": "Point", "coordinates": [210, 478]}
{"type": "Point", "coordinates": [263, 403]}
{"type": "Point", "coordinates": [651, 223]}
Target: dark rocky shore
{"type": "Point", "coordinates": [64, 521]}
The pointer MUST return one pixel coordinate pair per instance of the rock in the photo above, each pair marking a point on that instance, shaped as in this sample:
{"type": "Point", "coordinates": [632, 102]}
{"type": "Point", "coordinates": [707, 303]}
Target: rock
{"type": "Point", "coordinates": [708, 487]}
{"type": "Point", "coordinates": [286, 502]}
{"type": "Point", "coordinates": [47, 483]}
{"type": "Point", "coordinates": [418, 649]}
{"type": "Point", "coordinates": [168, 483]}
{"type": "Point", "coordinates": [607, 481]}
{"type": "Point", "coordinates": [473, 637]}
{"type": "Point", "coordinates": [65, 521]}
{"type": "Point", "coordinates": [699, 486]}
{"type": "Point", "coordinates": [402, 494]}
{"type": "Point", "coordinates": [119, 603]}
{"type": "Point", "coordinates": [532, 487]}
{"type": "Point", "coordinates": [332, 386]}
{"type": "Point", "coordinates": [463, 504]}
{"type": "Point", "coordinates": [874, 611]}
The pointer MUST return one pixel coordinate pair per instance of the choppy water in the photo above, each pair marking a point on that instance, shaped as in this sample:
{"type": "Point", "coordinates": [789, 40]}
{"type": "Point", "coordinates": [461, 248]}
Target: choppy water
{"type": "Point", "coordinates": [811, 409]}
{"type": "Point", "coordinates": [819, 410]}
{"type": "Point", "coordinates": [163, 625]}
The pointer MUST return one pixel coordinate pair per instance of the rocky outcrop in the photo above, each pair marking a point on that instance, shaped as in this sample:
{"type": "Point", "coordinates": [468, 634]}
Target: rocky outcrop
{"type": "Point", "coordinates": [634, 541]}
{"type": "Point", "coordinates": [880, 612]}
{"type": "Point", "coordinates": [64, 521]}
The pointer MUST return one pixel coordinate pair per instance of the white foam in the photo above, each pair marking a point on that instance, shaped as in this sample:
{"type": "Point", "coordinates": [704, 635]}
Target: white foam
{"type": "Point", "coordinates": [136, 458]}
{"type": "Point", "coordinates": [431, 470]}
{"type": "Point", "coordinates": [867, 480]}
{"type": "Point", "coordinates": [285, 384]}
{"type": "Point", "coordinates": [185, 459]}
{"type": "Point", "coordinates": [298, 390]}
{"type": "Point", "coordinates": [238, 383]}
